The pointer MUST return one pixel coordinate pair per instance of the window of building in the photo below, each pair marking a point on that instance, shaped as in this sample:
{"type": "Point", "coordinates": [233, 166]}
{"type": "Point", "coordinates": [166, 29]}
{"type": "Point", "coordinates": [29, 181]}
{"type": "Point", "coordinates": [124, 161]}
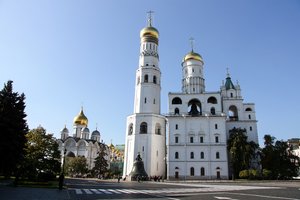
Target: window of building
{"type": "Point", "coordinates": [250, 128]}
{"type": "Point", "coordinates": [176, 139]}
{"type": "Point", "coordinates": [212, 100]}
{"type": "Point", "coordinates": [176, 100]}
{"type": "Point", "coordinates": [213, 111]}
{"type": "Point", "coordinates": [154, 79]}
{"type": "Point", "coordinates": [191, 139]}
{"type": "Point", "coordinates": [157, 129]}
{"type": "Point", "coordinates": [192, 171]}
{"type": "Point", "coordinates": [202, 155]}
{"type": "Point", "coordinates": [202, 171]}
{"type": "Point", "coordinates": [143, 128]}
{"type": "Point", "coordinates": [176, 126]}
{"type": "Point", "coordinates": [216, 139]}
{"type": "Point", "coordinates": [146, 78]}
{"type": "Point", "coordinates": [176, 155]}
{"type": "Point", "coordinates": [192, 155]}
{"type": "Point", "coordinates": [231, 95]}
{"type": "Point", "coordinates": [176, 111]}
{"type": "Point", "coordinates": [249, 116]}
{"type": "Point", "coordinates": [130, 129]}
{"type": "Point", "coordinates": [145, 100]}
{"type": "Point", "coordinates": [216, 126]}
{"type": "Point", "coordinates": [201, 139]}
{"type": "Point", "coordinates": [153, 101]}
{"type": "Point", "coordinates": [217, 155]}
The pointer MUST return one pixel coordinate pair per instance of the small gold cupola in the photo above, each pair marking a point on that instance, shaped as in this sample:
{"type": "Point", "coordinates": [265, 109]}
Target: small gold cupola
{"type": "Point", "coordinates": [149, 33]}
{"type": "Point", "coordinates": [80, 119]}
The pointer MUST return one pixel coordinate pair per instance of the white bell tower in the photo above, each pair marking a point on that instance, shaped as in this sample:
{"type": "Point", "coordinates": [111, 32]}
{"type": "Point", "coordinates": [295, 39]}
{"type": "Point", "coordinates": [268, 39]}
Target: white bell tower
{"type": "Point", "coordinates": [146, 127]}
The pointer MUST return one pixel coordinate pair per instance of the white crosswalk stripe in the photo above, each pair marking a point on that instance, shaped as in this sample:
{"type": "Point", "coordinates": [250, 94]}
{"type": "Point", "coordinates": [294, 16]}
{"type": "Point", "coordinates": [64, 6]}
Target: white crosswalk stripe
{"type": "Point", "coordinates": [215, 188]}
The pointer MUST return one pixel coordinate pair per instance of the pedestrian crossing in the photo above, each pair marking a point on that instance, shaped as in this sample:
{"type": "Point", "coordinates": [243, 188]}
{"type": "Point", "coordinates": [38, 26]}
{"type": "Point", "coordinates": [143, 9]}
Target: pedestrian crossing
{"type": "Point", "coordinates": [216, 188]}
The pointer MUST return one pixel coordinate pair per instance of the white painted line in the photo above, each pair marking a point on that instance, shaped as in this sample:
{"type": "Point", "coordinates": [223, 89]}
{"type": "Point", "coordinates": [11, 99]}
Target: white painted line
{"type": "Point", "coordinates": [96, 191]}
{"type": "Point", "coordinates": [104, 191]}
{"type": "Point", "coordinates": [263, 196]}
{"type": "Point", "coordinates": [78, 191]}
{"type": "Point", "coordinates": [228, 198]}
{"type": "Point", "coordinates": [114, 191]}
{"type": "Point", "coordinates": [87, 191]}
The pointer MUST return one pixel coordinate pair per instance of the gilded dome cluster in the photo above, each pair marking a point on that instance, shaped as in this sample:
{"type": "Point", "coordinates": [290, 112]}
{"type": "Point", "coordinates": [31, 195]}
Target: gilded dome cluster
{"type": "Point", "coordinates": [81, 119]}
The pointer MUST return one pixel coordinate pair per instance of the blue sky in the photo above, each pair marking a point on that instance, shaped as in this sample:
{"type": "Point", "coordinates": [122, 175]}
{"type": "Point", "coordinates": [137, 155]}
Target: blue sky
{"type": "Point", "coordinates": [65, 54]}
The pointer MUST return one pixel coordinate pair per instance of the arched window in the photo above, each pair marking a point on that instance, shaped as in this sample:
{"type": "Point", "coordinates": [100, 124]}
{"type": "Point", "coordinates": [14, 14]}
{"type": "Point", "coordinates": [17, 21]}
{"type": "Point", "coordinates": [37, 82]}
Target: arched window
{"type": "Point", "coordinates": [146, 78]}
{"type": "Point", "coordinates": [233, 113]}
{"type": "Point", "coordinates": [213, 111]}
{"type": "Point", "coordinates": [157, 129]}
{"type": "Point", "coordinates": [202, 155]}
{"type": "Point", "coordinates": [130, 129]}
{"type": "Point", "coordinates": [192, 155]}
{"type": "Point", "coordinates": [195, 107]}
{"type": "Point", "coordinates": [192, 171]}
{"type": "Point", "coordinates": [143, 128]}
{"type": "Point", "coordinates": [212, 100]}
{"type": "Point", "coordinates": [217, 155]}
{"type": "Point", "coordinates": [176, 100]}
{"type": "Point", "coordinates": [154, 79]}
{"type": "Point", "coordinates": [176, 155]}
{"type": "Point", "coordinates": [202, 171]}
{"type": "Point", "coordinates": [248, 109]}
{"type": "Point", "coordinates": [176, 111]}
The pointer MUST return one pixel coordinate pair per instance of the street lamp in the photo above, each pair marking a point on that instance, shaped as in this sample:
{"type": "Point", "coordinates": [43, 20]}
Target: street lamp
{"type": "Point", "coordinates": [62, 176]}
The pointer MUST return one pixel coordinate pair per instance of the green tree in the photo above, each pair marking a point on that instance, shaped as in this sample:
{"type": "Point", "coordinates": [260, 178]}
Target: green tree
{"type": "Point", "coordinates": [42, 159]}
{"type": "Point", "coordinates": [241, 152]}
{"type": "Point", "coordinates": [13, 128]}
{"type": "Point", "coordinates": [278, 159]}
{"type": "Point", "coordinates": [101, 164]}
{"type": "Point", "coordinates": [76, 166]}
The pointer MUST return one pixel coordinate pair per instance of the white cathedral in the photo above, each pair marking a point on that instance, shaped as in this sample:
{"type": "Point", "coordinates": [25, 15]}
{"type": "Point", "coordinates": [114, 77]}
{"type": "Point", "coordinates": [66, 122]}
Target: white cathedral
{"type": "Point", "coordinates": [197, 123]}
{"type": "Point", "coordinates": [80, 143]}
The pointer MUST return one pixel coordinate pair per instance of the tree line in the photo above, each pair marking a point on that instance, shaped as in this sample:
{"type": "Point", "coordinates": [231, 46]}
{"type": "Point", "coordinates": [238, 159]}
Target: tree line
{"type": "Point", "coordinates": [33, 154]}
{"type": "Point", "coordinates": [274, 161]}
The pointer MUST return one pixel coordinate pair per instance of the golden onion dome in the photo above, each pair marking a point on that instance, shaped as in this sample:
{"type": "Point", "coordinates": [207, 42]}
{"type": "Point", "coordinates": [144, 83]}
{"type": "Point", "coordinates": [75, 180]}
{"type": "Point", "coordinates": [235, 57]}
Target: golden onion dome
{"type": "Point", "coordinates": [81, 119]}
{"type": "Point", "coordinates": [149, 31]}
{"type": "Point", "coordinates": [192, 56]}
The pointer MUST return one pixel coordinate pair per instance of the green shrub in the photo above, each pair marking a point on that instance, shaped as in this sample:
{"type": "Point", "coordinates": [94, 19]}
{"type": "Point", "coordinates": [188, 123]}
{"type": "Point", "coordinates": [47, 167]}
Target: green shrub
{"type": "Point", "coordinates": [244, 174]}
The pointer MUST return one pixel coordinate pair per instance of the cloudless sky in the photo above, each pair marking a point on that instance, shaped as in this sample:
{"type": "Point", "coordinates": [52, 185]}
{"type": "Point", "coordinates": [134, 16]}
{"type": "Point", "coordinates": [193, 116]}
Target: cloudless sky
{"type": "Point", "coordinates": [64, 54]}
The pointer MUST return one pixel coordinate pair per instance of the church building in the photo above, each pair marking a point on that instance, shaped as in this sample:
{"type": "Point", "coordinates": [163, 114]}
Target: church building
{"type": "Point", "coordinates": [80, 143]}
{"type": "Point", "coordinates": [197, 123]}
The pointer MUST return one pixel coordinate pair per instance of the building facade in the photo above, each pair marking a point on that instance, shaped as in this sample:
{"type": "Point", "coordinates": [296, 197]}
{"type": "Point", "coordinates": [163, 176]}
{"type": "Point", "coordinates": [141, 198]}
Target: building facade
{"type": "Point", "coordinates": [146, 127]}
{"type": "Point", "coordinates": [80, 143]}
{"type": "Point", "coordinates": [198, 121]}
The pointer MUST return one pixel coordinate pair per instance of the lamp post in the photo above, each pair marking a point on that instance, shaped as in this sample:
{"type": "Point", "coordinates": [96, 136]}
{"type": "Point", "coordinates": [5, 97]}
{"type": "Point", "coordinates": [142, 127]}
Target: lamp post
{"type": "Point", "coordinates": [62, 176]}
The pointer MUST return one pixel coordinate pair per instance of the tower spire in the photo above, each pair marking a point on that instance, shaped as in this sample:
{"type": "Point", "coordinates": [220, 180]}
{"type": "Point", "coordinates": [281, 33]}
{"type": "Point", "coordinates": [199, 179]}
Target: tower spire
{"type": "Point", "coordinates": [227, 72]}
{"type": "Point", "coordinates": [192, 40]}
{"type": "Point", "coordinates": [149, 21]}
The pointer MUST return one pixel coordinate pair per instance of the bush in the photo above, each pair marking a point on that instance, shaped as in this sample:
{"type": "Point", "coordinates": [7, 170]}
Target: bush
{"type": "Point", "coordinates": [266, 173]}
{"type": "Point", "coordinates": [46, 176]}
{"type": "Point", "coordinates": [244, 174]}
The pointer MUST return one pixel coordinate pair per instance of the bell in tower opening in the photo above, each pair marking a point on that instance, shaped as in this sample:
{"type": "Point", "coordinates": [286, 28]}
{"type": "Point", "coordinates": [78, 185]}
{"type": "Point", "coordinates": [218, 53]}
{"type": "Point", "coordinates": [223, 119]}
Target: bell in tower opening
{"type": "Point", "coordinates": [195, 107]}
{"type": "Point", "coordinates": [138, 171]}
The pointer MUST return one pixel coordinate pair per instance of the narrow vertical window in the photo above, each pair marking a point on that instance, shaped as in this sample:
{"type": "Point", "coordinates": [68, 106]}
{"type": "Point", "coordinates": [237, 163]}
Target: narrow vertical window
{"type": "Point", "coordinates": [202, 171]}
{"type": "Point", "coordinates": [191, 139]}
{"type": "Point", "coordinates": [176, 139]}
{"type": "Point", "coordinates": [153, 101]}
{"type": "Point", "coordinates": [250, 128]}
{"type": "Point", "coordinates": [216, 126]}
{"type": "Point", "coordinates": [145, 100]}
{"type": "Point", "coordinates": [201, 139]}
{"type": "Point", "coordinates": [176, 126]}
{"type": "Point", "coordinates": [217, 139]}
{"type": "Point", "coordinates": [192, 155]}
{"type": "Point", "coordinates": [176, 155]}
{"type": "Point", "coordinates": [146, 78]}
{"type": "Point", "coordinates": [202, 155]}
{"type": "Point", "coordinates": [249, 116]}
{"type": "Point", "coordinates": [192, 171]}
{"type": "Point", "coordinates": [217, 155]}
{"type": "Point", "coordinates": [154, 79]}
